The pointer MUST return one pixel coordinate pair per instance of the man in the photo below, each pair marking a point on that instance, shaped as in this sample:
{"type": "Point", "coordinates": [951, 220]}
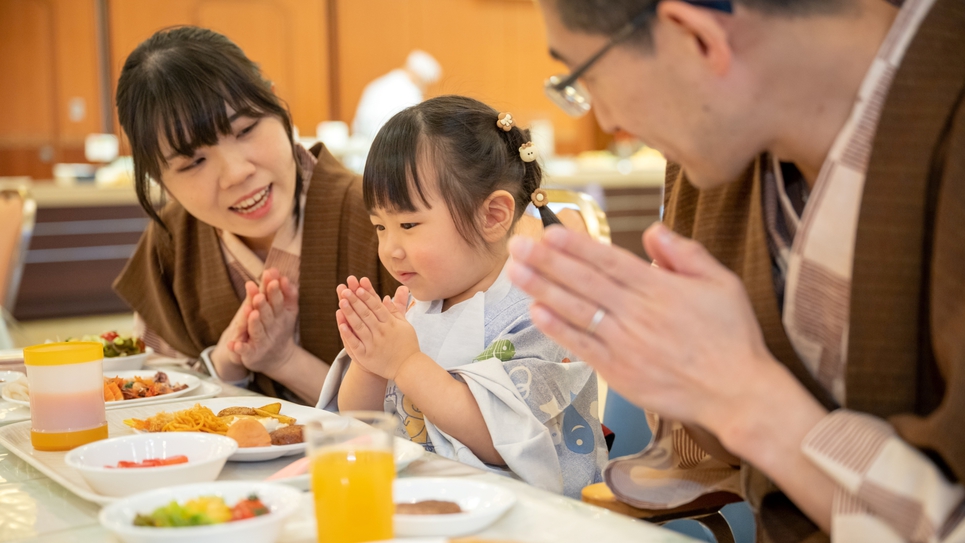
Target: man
{"type": "Point", "coordinates": [814, 325]}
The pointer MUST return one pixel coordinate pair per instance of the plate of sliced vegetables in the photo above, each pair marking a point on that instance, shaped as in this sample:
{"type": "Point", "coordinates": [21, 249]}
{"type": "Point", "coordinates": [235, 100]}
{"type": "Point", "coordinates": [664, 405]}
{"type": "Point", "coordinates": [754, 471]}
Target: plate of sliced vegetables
{"type": "Point", "coordinates": [121, 388]}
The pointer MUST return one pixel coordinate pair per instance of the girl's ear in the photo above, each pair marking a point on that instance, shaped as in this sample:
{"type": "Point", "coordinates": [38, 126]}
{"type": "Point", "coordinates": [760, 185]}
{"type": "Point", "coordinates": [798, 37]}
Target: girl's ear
{"type": "Point", "coordinates": [498, 212]}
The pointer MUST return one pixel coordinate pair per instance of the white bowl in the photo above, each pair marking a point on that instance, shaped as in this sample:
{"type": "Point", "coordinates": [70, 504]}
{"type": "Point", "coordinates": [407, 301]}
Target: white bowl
{"type": "Point", "coordinates": [481, 505]}
{"type": "Point", "coordinates": [131, 362]}
{"type": "Point", "coordinates": [281, 500]}
{"type": "Point", "coordinates": [207, 454]}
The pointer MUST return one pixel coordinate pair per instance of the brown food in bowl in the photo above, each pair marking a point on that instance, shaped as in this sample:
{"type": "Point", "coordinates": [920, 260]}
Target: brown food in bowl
{"type": "Point", "coordinates": [287, 435]}
{"type": "Point", "coordinates": [236, 411]}
{"type": "Point", "coordinates": [249, 433]}
{"type": "Point", "coordinates": [428, 507]}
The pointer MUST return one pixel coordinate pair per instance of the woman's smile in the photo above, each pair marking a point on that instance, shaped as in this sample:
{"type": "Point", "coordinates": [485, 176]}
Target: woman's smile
{"type": "Point", "coordinates": [255, 205]}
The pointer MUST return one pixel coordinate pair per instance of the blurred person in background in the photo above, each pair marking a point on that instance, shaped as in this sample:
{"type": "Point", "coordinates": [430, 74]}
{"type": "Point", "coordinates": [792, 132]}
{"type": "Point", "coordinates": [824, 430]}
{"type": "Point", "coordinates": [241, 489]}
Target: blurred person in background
{"type": "Point", "coordinates": [393, 92]}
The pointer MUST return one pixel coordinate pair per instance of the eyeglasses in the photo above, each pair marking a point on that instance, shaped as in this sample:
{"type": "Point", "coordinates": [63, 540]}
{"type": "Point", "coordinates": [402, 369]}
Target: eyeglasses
{"type": "Point", "coordinates": [571, 96]}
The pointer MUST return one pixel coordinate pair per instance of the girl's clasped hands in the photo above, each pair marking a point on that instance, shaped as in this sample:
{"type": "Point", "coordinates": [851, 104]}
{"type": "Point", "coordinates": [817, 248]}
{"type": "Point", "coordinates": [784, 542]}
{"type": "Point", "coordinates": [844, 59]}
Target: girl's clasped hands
{"type": "Point", "coordinates": [375, 332]}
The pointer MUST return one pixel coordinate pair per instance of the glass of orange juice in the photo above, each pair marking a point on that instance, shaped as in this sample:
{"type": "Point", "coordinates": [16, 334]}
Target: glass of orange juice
{"type": "Point", "coordinates": [352, 469]}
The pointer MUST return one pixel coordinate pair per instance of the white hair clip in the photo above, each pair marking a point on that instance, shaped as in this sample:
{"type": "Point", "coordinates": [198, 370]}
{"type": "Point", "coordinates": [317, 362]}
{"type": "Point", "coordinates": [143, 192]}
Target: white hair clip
{"type": "Point", "coordinates": [505, 121]}
{"type": "Point", "coordinates": [527, 152]}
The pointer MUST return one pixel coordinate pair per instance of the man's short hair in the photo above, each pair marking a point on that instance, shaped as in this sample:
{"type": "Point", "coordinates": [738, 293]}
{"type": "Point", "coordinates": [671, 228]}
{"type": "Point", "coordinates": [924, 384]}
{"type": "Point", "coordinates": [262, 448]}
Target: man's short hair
{"type": "Point", "coordinates": [606, 17]}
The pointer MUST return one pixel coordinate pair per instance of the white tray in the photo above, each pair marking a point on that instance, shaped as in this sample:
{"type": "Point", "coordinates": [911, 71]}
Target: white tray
{"type": "Point", "coordinates": [13, 412]}
{"type": "Point", "coordinates": [16, 438]}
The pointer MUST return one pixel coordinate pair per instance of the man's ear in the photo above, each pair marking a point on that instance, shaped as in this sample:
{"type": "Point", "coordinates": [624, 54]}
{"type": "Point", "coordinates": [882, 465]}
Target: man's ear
{"type": "Point", "coordinates": [497, 215]}
{"type": "Point", "coordinates": [702, 27]}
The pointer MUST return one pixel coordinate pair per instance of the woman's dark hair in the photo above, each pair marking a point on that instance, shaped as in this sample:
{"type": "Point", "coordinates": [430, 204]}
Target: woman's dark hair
{"type": "Point", "coordinates": [176, 85]}
{"type": "Point", "coordinates": [470, 156]}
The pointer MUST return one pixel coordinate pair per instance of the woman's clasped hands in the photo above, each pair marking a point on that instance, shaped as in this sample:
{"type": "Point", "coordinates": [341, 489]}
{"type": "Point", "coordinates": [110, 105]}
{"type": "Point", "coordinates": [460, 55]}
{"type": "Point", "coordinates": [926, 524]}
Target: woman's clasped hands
{"type": "Point", "coordinates": [375, 331]}
{"type": "Point", "coordinates": [262, 332]}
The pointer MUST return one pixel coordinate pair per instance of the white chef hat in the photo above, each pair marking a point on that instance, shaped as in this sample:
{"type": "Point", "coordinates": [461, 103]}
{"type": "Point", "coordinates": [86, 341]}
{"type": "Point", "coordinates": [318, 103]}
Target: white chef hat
{"type": "Point", "coordinates": [424, 66]}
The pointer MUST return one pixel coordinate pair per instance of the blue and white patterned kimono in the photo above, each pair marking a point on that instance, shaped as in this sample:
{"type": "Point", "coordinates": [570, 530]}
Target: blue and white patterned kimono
{"type": "Point", "coordinates": [540, 407]}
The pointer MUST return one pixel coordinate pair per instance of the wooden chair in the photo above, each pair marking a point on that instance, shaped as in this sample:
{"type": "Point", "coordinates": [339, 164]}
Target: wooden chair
{"type": "Point", "coordinates": [18, 211]}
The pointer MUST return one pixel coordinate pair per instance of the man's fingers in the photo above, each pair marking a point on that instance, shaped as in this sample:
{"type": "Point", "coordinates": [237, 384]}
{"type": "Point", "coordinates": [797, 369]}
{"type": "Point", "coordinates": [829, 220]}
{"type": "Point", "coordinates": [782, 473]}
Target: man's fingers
{"type": "Point", "coordinates": [584, 277]}
{"type": "Point", "coordinates": [586, 347]}
{"type": "Point", "coordinates": [579, 313]}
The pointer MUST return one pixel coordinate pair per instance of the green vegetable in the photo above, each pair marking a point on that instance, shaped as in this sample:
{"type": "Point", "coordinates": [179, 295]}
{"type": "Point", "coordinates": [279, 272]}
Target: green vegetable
{"type": "Point", "coordinates": [196, 512]}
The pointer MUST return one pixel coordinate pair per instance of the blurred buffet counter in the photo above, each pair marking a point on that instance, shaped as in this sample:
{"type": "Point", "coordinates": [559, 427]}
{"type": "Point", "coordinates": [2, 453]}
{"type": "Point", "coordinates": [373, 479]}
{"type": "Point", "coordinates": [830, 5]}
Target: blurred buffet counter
{"type": "Point", "coordinates": [85, 233]}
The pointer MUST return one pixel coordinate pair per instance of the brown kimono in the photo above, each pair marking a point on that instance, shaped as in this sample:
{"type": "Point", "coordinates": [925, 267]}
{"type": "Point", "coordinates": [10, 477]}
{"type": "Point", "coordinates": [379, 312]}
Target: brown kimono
{"type": "Point", "coordinates": [179, 283]}
{"type": "Point", "coordinates": [906, 348]}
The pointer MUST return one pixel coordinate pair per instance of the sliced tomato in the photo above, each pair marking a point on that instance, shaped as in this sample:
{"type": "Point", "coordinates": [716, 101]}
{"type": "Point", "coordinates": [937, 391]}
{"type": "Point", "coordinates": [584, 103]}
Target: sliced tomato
{"type": "Point", "coordinates": [154, 462]}
{"type": "Point", "coordinates": [249, 508]}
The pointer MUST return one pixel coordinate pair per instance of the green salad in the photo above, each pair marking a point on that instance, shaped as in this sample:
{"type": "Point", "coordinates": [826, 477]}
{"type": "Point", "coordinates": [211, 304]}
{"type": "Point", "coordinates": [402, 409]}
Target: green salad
{"type": "Point", "coordinates": [202, 511]}
{"type": "Point", "coordinates": [115, 344]}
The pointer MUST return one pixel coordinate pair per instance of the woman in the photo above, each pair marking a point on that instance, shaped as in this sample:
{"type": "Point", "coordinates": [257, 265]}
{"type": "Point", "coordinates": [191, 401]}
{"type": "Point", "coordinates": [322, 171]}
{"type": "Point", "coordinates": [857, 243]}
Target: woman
{"type": "Point", "coordinates": [217, 274]}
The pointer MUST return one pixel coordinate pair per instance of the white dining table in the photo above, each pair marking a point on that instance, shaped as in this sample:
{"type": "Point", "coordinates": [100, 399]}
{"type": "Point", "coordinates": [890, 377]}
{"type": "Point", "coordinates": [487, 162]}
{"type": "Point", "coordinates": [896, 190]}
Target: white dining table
{"type": "Point", "coordinates": [35, 508]}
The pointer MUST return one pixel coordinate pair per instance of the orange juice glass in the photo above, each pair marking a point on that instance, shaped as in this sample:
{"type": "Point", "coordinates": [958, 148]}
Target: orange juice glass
{"type": "Point", "coordinates": [352, 469]}
{"type": "Point", "coordinates": [66, 382]}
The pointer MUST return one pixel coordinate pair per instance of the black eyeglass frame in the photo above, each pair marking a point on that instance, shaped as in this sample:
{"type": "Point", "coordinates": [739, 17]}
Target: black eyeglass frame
{"type": "Point", "coordinates": [627, 30]}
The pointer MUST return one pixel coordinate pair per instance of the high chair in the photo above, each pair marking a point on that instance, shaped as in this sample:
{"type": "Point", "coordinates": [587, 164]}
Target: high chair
{"type": "Point", "coordinates": [628, 422]}
{"type": "Point", "coordinates": [17, 214]}
{"type": "Point", "coordinates": [594, 219]}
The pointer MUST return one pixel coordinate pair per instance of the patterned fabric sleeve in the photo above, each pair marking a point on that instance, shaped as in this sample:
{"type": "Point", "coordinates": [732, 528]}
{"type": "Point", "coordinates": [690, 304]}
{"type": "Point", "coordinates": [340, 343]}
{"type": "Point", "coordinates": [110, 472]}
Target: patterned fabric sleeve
{"type": "Point", "coordinates": [887, 491]}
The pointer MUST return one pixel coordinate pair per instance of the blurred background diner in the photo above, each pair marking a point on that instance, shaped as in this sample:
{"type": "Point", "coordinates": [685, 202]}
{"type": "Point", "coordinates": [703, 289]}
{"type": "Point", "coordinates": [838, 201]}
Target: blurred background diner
{"type": "Point", "coordinates": [73, 217]}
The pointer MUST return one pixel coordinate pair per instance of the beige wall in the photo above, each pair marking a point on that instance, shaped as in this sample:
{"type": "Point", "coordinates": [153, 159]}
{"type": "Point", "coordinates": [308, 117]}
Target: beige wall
{"type": "Point", "coordinates": [493, 50]}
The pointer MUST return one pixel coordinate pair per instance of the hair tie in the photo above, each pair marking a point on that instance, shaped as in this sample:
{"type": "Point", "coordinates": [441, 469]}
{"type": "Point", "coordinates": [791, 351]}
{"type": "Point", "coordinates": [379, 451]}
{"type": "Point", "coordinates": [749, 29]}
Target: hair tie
{"type": "Point", "coordinates": [539, 198]}
{"type": "Point", "coordinates": [505, 121]}
{"type": "Point", "coordinates": [527, 152]}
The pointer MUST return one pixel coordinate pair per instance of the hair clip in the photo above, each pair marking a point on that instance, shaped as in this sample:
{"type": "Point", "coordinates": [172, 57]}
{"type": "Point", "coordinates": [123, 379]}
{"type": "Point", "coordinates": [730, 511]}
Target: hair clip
{"type": "Point", "coordinates": [505, 121]}
{"type": "Point", "coordinates": [527, 152]}
{"type": "Point", "coordinates": [539, 198]}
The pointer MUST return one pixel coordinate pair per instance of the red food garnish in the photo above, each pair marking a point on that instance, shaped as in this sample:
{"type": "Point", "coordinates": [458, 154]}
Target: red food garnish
{"type": "Point", "coordinates": [152, 462]}
{"type": "Point", "coordinates": [249, 508]}
{"type": "Point", "coordinates": [109, 336]}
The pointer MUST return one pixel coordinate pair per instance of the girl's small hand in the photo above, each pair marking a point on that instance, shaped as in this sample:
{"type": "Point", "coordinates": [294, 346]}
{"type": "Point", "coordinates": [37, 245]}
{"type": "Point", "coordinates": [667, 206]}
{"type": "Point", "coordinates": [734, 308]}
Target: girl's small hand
{"type": "Point", "coordinates": [271, 322]}
{"type": "Point", "coordinates": [375, 331]}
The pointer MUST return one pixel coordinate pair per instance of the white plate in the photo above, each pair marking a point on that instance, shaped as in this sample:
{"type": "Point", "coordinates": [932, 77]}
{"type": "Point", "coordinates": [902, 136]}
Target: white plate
{"type": "Point", "coordinates": [481, 503]}
{"type": "Point", "coordinates": [14, 412]}
{"type": "Point", "coordinates": [174, 378]}
{"type": "Point", "coordinates": [280, 500]}
{"type": "Point", "coordinates": [126, 363]}
{"type": "Point", "coordinates": [258, 454]}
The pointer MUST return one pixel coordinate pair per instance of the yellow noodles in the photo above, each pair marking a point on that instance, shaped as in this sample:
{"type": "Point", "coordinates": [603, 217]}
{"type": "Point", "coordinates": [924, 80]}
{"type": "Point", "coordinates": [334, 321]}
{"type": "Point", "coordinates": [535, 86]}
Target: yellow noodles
{"type": "Point", "coordinates": [195, 419]}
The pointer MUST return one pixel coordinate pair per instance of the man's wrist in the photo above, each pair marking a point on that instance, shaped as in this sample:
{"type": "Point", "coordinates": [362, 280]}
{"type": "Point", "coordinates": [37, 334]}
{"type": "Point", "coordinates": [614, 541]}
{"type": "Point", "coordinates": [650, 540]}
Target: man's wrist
{"type": "Point", "coordinates": [772, 419]}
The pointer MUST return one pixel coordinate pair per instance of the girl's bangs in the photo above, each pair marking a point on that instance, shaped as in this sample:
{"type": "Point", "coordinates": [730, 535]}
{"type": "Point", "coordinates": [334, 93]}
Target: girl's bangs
{"type": "Point", "coordinates": [391, 172]}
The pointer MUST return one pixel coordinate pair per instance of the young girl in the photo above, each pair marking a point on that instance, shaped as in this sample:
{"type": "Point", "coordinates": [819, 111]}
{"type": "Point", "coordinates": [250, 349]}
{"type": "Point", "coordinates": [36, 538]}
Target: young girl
{"type": "Point", "coordinates": [468, 374]}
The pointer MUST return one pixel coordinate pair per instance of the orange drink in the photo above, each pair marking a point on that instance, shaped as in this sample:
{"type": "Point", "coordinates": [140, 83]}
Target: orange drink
{"type": "Point", "coordinates": [352, 469]}
{"type": "Point", "coordinates": [353, 495]}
